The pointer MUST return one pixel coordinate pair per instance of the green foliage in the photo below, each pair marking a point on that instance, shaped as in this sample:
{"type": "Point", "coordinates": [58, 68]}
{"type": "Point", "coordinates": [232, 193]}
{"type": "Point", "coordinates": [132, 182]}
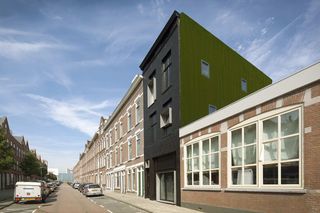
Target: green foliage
{"type": "Point", "coordinates": [6, 153]}
{"type": "Point", "coordinates": [51, 176]}
{"type": "Point", "coordinates": [30, 165]}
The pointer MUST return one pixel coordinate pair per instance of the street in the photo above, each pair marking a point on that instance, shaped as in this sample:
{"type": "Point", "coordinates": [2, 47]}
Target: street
{"type": "Point", "coordinates": [66, 199]}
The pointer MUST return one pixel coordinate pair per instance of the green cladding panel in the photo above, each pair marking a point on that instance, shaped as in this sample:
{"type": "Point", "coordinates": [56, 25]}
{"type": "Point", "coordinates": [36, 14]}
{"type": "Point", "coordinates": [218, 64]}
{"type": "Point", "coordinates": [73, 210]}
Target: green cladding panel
{"type": "Point", "coordinates": [227, 68]}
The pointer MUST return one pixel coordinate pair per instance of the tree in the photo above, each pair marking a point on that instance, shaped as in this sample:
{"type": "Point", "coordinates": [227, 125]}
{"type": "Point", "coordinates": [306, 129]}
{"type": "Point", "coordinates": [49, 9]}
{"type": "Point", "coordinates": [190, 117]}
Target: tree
{"type": "Point", "coordinates": [30, 165]}
{"type": "Point", "coordinates": [51, 176]}
{"type": "Point", "coordinates": [6, 153]}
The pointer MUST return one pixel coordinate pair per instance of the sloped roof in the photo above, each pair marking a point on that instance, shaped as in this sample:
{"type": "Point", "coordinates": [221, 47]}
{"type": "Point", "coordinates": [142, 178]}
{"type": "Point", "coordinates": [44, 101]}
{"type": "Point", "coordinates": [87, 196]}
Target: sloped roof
{"type": "Point", "coordinates": [19, 138]}
{"type": "Point", "coordinates": [2, 119]}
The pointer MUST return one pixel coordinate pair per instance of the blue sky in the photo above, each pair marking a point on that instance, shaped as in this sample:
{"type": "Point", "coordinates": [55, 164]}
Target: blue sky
{"type": "Point", "coordinates": [63, 64]}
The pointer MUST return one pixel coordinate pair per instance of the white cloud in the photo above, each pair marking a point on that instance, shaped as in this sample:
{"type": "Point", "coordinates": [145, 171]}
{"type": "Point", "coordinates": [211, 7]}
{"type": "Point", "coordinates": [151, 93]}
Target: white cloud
{"type": "Point", "coordinates": [17, 50]}
{"type": "Point", "coordinates": [75, 114]}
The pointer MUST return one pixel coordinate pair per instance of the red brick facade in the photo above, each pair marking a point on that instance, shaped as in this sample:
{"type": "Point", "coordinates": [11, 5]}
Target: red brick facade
{"type": "Point", "coordinates": [306, 199]}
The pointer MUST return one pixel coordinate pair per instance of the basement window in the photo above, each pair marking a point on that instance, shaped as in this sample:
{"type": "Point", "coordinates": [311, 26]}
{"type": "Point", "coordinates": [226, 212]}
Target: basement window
{"type": "Point", "coordinates": [166, 117]}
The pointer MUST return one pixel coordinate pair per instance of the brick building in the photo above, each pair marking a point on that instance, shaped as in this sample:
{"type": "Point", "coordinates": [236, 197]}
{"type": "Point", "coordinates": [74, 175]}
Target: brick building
{"type": "Point", "coordinates": [114, 157]}
{"type": "Point", "coordinates": [259, 154]}
{"type": "Point", "coordinates": [20, 147]}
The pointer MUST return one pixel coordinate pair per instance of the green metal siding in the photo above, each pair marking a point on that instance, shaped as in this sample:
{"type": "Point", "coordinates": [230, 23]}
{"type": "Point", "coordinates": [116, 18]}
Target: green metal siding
{"type": "Point", "coordinates": [226, 70]}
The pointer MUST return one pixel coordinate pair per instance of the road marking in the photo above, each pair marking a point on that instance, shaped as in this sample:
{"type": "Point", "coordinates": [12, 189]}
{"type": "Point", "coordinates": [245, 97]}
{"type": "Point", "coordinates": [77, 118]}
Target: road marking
{"type": "Point", "coordinates": [101, 206]}
{"type": "Point", "coordinates": [34, 211]}
{"type": "Point", "coordinates": [109, 211]}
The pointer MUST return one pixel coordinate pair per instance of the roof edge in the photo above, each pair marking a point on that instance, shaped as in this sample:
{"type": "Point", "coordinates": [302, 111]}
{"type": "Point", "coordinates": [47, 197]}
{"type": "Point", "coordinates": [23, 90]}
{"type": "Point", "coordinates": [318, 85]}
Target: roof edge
{"type": "Point", "coordinates": [163, 32]}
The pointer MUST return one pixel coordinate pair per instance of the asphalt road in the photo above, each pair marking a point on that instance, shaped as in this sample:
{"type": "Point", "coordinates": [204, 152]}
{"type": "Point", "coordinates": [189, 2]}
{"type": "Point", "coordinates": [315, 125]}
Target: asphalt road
{"type": "Point", "coordinates": [68, 200]}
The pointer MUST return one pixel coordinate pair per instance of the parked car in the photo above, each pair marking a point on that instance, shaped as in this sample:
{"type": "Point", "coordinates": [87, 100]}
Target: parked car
{"type": "Point", "coordinates": [29, 191]}
{"type": "Point", "coordinates": [92, 189]}
{"type": "Point", "coordinates": [76, 185]}
{"type": "Point", "coordinates": [52, 186]}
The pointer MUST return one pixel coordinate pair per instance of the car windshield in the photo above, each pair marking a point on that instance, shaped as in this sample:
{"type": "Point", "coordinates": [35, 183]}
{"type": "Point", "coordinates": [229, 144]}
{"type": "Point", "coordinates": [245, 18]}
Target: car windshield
{"type": "Point", "coordinates": [94, 186]}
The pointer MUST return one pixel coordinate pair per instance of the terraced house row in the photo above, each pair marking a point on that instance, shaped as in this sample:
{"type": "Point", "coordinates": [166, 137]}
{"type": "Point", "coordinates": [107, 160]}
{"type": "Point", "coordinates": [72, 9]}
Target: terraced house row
{"type": "Point", "coordinates": [20, 148]}
{"type": "Point", "coordinates": [214, 131]}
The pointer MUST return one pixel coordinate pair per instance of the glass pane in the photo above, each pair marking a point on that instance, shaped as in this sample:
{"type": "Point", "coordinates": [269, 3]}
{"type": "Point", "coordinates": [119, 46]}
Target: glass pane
{"type": "Point", "coordinates": [236, 138]}
{"type": "Point", "coordinates": [270, 174]}
{"type": "Point", "coordinates": [290, 148]}
{"type": "Point", "coordinates": [189, 151]}
{"type": "Point", "coordinates": [196, 163]}
{"type": "Point", "coordinates": [214, 161]}
{"type": "Point", "coordinates": [205, 146]}
{"type": "Point", "coordinates": [270, 151]}
{"type": "Point", "coordinates": [290, 173]}
{"type": "Point", "coordinates": [250, 134]}
{"type": "Point", "coordinates": [195, 149]}
{"type": "Point", "coordinates": [214, 177]}
{"type": "Point", "coordinates": [205, 178]}
{"type": "Point", "coordinates": [250, 154]}
{"type": "Point", "coordinates": [237, 157]}
{"type": "Point", "coordinates": [215, 144]}
{"type": "Point", "coordinates": [290, 123]}
{"type": "Point", "coordinates": [189, 163]}
{"type": "Point", "coordinates": [189, 178]}
{"type": "Point", "coordinates": [270, 128]}
{"type": "Point", "coordinates": [196, 178]}
{"type": "Point", "coordinates": [205, 162]}
{"type": "Point", "coordinates": [250, 176]}
{"type": "Point", "coordinates": [236, 176]}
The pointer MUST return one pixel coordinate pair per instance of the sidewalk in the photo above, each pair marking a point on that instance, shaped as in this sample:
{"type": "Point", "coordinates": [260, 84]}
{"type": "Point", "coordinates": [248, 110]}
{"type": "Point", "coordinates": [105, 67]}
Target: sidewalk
{"type": "Point", "coordinates": [6, 198]}
{"type": "Point", "coordinates": [147, 204]}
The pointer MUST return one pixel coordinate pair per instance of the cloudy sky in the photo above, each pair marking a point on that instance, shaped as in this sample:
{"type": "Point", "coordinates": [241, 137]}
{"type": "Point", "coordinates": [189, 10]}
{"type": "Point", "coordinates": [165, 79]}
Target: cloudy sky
{"type": "Point", "coordinates": [63, 64]}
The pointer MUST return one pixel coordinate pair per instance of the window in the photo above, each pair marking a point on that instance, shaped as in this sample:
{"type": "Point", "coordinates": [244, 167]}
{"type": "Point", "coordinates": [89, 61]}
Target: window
{"type": "Point", "coordinates": [121, 129]}
{"type": "Point", "coordinates": [129, 180]}
{"type": "Point", "coordinates": [120, 154]}
{"type": "Point", "coordinates": [130, 155]}
{"type": "Point", "coordinates": [212, 108]}
{"type": "Point", "coordinates": [244, 85]}
{"type": "Point", "coordinates": [138, 110]}
{"type": "Point", "coordinates": [273, 158]}
{"type": "Point", "coordinates": [151, 90]}
{"type": "Point", "coordinates": [243, 155]}
{"type": "Point", "coordinates": [129, 120]}
{"type": "Point", "coordinates": [166, 71]}
{"type": "Point", "coordinates": [202, 162]}
{"type": "Point", "coordinates": [138, 144]}
{"type": "Point", "coordinates": [116, 156]}
{"type": "Point", "coordinates": [205, 69]}
{"type": "Point", "coordinates": [166, 117]}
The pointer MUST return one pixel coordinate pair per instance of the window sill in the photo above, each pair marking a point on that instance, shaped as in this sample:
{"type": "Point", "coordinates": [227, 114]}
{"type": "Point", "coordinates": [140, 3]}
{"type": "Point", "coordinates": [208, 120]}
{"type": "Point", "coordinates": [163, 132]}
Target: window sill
{"type": "Point", "coordinates": [166, 89]}
{"type": "Point", "coordinates": [284, 191]}
{"type": "Point", "coordinates": [201, 189]}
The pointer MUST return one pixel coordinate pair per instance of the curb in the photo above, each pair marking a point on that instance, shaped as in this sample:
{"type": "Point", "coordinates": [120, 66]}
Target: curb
{"type": "Point", "coordinates": [130, 204]}
{"type": "Point", "coordinates": [6, 205]}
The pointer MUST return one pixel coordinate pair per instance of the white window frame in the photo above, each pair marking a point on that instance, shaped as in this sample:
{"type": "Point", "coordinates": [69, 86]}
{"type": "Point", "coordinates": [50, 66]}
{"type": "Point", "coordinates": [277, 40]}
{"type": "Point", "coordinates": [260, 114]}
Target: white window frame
{"type": "Point", "coordinates": [151, 96]}
{"type": "Point", "coordinates": [130, 144]}
{"type": "Point", "coordinates": [259, 154]}
{"type": "Point", "coordinates": [200, 141]}
{"type": "Point", "coordinates": [137, 108]}
{"type": "Point", "coordinates": [129, 121]}
{"type": "Point", "coordinates": [136, 135]}
{"type": "Point", "coordinates": [164, 123]}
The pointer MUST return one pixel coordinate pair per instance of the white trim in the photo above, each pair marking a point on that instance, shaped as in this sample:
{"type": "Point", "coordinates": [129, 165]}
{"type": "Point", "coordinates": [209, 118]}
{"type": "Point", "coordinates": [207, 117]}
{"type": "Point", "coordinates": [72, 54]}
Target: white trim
{"type": "Point", "coordinates": [300, 79]}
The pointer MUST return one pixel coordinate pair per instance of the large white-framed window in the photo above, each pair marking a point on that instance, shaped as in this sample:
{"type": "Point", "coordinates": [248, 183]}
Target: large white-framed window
{"type": "Point", "coordinates": [120, 153]}
{"type": "Point", "coordinates": [202, 162]}
{"type": "Point", "coordinates": [265, 151]}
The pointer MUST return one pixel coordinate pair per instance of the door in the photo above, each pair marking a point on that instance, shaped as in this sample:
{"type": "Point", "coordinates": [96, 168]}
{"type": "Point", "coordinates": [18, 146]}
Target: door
{"type": "Point", "coordinates": [166, 186]}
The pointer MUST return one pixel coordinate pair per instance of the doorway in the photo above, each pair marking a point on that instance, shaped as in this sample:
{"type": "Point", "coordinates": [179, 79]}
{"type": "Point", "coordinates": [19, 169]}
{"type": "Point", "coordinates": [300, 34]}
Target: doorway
{"type": "Point", "coordinates": [166, 186]}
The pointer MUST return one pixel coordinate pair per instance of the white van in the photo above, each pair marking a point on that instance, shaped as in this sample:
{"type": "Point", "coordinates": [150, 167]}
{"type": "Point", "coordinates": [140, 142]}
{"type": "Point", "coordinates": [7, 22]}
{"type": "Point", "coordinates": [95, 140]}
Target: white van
{"type": "Point", "coordinates": [29, 191]}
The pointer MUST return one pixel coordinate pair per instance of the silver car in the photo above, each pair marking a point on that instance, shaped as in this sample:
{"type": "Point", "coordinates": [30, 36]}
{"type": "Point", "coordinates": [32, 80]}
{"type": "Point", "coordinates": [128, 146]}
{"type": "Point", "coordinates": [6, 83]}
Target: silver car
{"type": "Point", "coordinates": [92, 189]}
